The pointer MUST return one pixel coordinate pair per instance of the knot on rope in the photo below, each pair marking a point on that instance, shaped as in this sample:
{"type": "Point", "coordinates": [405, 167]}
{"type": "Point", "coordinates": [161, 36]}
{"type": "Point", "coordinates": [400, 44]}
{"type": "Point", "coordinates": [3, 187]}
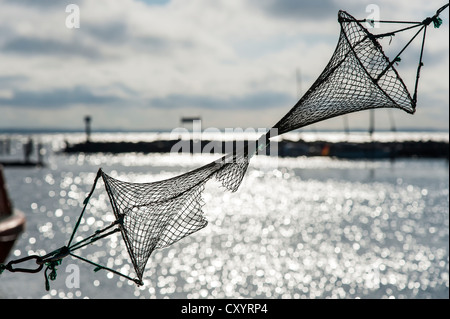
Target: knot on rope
{"type": "Point", "coordinates": [437, 22]}
{"type": "Point", "coordinates": [52, 275]}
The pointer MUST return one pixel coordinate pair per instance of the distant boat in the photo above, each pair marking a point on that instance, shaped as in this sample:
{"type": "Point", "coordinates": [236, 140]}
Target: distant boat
{"type": "Point", "coordinates": [12, 221]}
{"type": "Point", "coordinates": [26, 161]}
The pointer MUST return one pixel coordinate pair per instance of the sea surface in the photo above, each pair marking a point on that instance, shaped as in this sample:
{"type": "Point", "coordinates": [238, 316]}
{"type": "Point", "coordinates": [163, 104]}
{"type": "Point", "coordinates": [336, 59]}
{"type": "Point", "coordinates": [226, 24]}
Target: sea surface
{"type": "Point", "coordinates": [297, 227]}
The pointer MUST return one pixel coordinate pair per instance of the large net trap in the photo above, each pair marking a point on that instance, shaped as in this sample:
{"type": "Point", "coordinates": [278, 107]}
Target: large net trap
{"type": "Point", "coordinates": [149, 216]}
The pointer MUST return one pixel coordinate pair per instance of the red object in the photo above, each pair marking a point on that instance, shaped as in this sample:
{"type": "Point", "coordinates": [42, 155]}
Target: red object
{"type": "Point", "coordinates": [12, 222]}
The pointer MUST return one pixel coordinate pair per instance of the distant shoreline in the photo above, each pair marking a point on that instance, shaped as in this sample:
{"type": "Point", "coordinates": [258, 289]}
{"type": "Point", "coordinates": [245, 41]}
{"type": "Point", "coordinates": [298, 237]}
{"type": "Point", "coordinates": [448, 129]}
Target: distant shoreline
{"type": "Point", "coordinates": [112, 130]}
{"type": "Point", "coordinates": [285, 148]}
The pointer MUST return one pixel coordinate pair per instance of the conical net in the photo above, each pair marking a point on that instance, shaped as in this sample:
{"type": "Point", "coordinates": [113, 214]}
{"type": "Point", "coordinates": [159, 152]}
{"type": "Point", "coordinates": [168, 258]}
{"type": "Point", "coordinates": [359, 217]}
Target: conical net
{"type": "Point", "coordinates": [358, 77]}
{"type": "Point", "coordinates": [156, 215]}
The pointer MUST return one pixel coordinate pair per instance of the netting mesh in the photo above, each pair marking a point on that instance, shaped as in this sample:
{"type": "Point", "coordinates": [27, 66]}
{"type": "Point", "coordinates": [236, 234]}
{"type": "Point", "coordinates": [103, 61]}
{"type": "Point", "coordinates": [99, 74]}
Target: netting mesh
{"type": "Point", "coordinates": [155, 215]}
{"type": "Point", "coordinates": [358, 77]}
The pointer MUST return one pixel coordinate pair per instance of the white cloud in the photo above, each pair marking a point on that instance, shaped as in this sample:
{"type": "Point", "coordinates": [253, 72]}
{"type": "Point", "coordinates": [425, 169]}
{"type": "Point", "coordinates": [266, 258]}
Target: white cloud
{"type": "Point", "coordinates": [227, 50]}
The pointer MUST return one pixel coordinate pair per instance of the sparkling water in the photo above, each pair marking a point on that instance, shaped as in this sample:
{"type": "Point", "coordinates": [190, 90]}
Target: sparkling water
{"type": "Point", "coordinates": [296, 228]}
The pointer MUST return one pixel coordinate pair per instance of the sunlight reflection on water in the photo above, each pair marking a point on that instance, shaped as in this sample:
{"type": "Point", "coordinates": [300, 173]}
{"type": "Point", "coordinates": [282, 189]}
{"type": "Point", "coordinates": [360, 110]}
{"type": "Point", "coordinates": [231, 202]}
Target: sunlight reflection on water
{"type": "Point", "coordinates": [307, 228]}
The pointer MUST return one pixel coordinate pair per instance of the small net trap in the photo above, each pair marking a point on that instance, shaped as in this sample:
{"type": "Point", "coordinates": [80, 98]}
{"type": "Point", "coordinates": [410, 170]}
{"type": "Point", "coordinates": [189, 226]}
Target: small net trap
{"type": "Point", "coordinates": [149, 216]}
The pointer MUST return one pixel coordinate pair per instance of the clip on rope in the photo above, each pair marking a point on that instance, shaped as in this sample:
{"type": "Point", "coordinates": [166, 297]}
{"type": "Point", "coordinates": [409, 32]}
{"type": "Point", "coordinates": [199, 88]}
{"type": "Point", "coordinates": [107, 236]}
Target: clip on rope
{"type": "Point", "coordinates": [54, 258]}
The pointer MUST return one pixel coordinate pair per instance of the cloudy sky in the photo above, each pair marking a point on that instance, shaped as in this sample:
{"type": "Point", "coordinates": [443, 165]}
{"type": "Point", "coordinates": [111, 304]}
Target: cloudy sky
{"type": "Point", "coordinates": [143, 64]}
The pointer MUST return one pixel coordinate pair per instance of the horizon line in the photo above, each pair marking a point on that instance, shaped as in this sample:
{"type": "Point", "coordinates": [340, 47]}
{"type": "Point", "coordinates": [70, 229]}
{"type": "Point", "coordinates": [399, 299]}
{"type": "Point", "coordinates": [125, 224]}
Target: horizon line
{"type": "Point", "coordinates": [161, 130]}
